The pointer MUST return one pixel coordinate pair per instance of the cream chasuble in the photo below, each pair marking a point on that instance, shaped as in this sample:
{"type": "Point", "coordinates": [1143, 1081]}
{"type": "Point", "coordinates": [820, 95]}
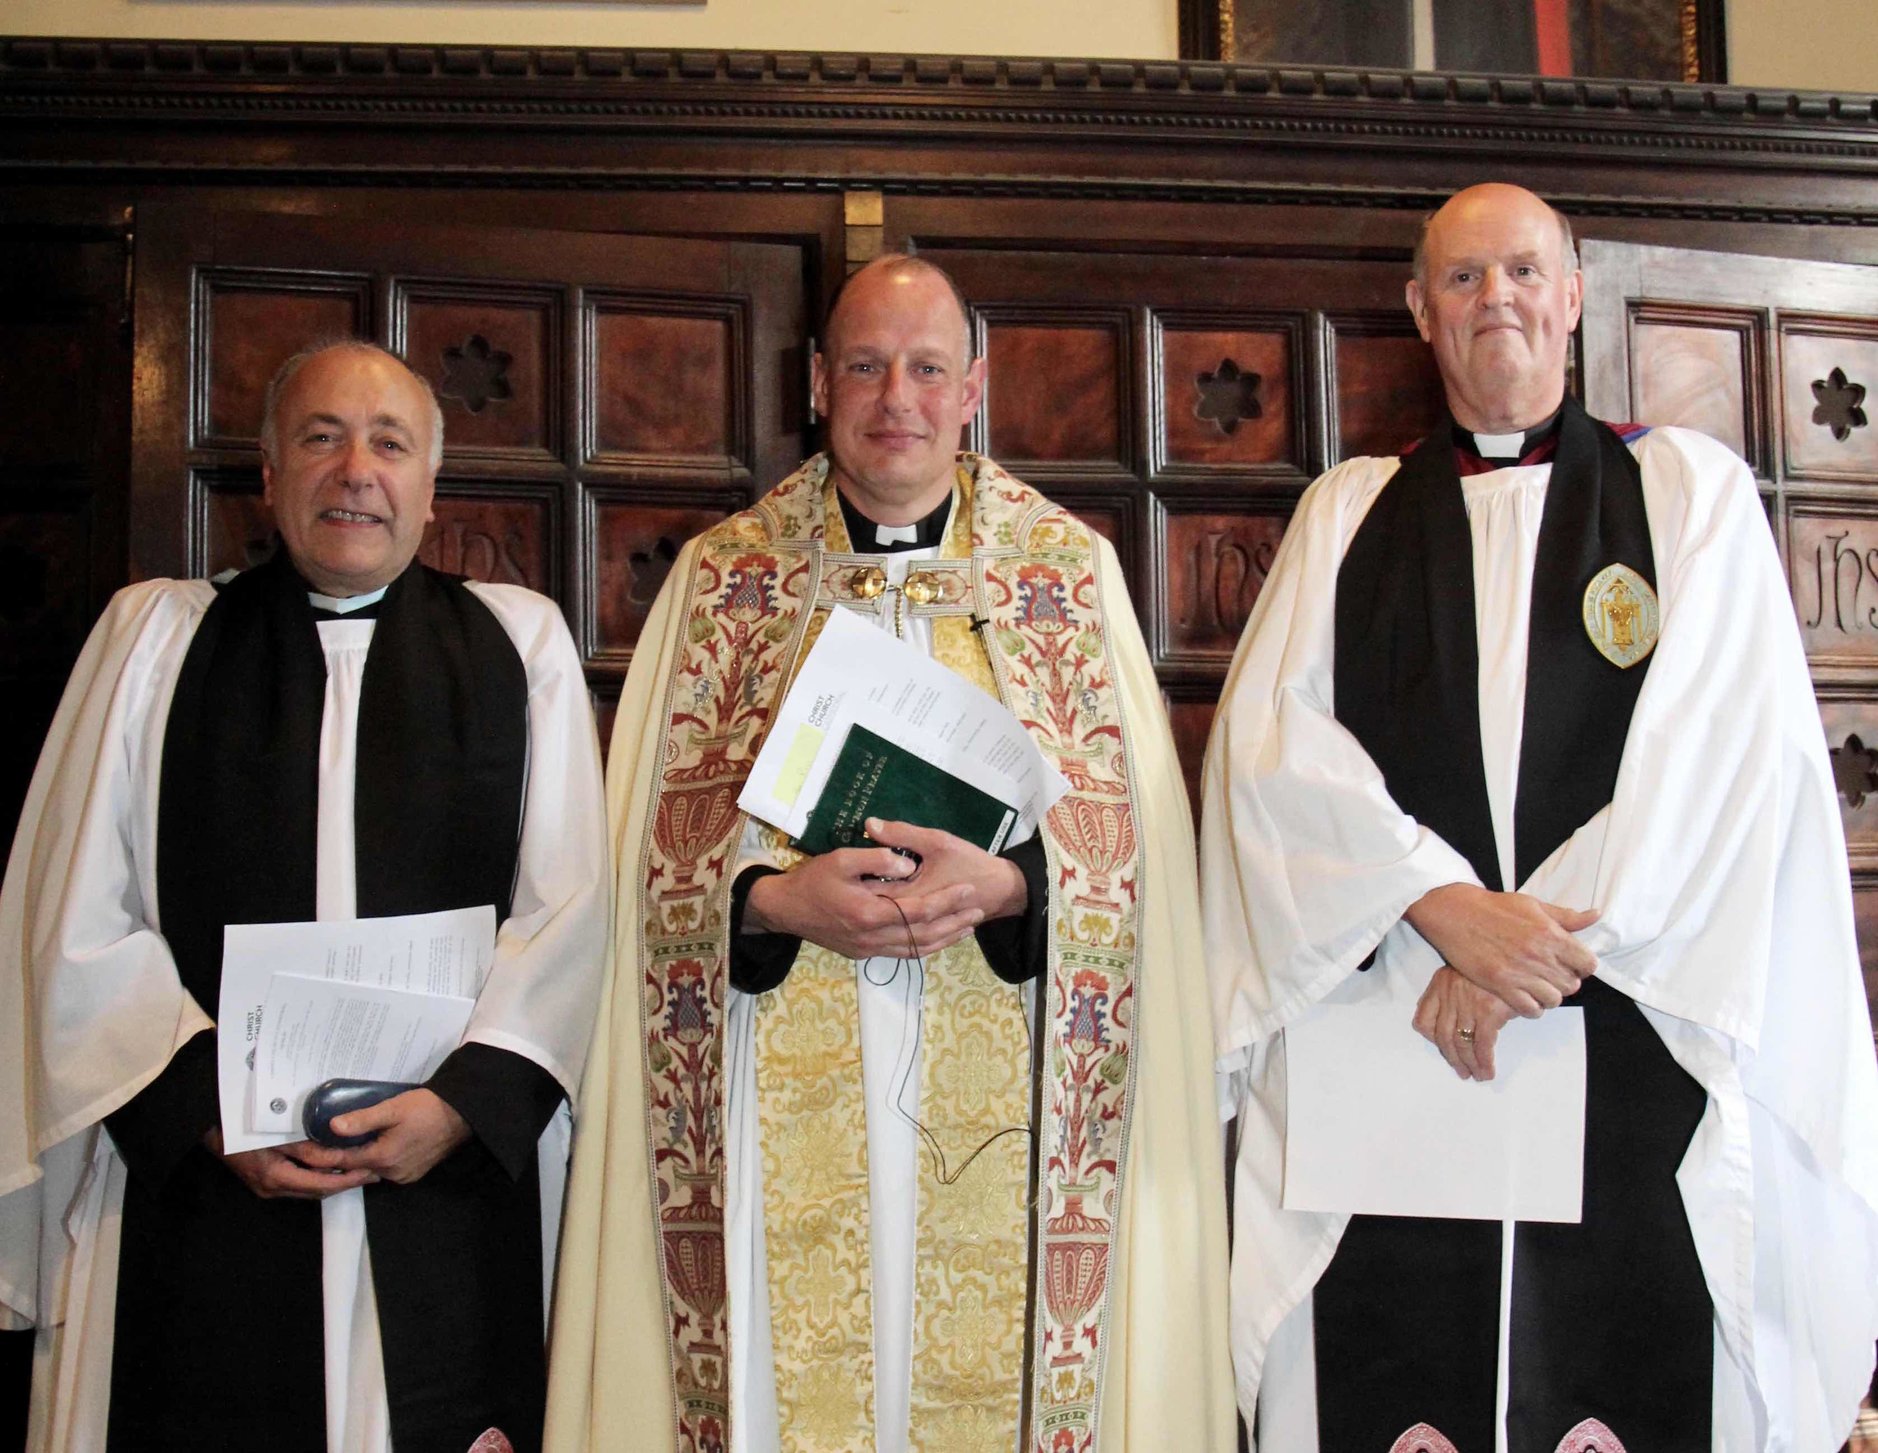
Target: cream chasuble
{"type": "Point", "coordinates": [639, 1211]}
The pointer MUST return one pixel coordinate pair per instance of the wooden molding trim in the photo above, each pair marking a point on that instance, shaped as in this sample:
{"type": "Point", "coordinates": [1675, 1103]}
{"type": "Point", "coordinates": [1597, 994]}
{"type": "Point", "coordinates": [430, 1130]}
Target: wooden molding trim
{"type": "Point", "coordinates": [403, 82]}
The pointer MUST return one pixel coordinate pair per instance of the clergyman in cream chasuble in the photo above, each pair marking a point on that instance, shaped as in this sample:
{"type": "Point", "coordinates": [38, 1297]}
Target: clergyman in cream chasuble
{"type": "Point", "coordinates": [699, 1222]}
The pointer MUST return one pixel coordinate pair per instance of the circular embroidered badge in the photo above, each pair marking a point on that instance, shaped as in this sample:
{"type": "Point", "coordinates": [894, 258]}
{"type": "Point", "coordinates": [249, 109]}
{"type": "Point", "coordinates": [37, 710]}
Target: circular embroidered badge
{"type": "Point", "coordinates": [1621, 615]}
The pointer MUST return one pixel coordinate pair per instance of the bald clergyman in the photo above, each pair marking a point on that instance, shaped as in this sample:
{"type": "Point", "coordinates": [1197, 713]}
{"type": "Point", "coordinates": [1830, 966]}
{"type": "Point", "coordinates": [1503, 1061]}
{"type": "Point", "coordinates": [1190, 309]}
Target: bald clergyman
{"type": "Point", "coordinates": [1521, 721]}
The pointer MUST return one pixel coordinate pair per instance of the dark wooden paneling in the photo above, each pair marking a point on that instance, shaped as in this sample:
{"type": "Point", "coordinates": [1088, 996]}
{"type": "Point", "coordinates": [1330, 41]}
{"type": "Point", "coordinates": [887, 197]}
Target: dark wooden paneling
{"type": "Point", "coordinates": [633, 540]}
{"type": "Point", "coordinates": [1228, 395]}
{"type": "Point", "coordinates": [1191, 721]}
{"type": "Point", "coordinates": [665, 383]}
{"type": "Point", "coordinates": [1832, 557]}
{"type": "Point", "coordinates": [1217, 558]}
{"type": "Point", "coordinates": [492, 353]}
{"type": "Point", "coordinates": [1058, 387]}
{"type": "Point", "coordinates": [502, 539]}
{"type": "Point", "coordinates": [1387, 391]}
{"type": "Point", "coordinates": [250, 323]}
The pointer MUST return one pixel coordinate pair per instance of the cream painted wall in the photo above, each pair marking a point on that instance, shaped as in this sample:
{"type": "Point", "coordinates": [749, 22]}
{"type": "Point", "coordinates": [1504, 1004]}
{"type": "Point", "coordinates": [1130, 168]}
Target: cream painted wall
{"type": "Point", "coordinates": [1827, 45]}
{"type": "Point", "coordinates": [1820, 45]}
{"type": "Point", "coordinates": [1133, 28]}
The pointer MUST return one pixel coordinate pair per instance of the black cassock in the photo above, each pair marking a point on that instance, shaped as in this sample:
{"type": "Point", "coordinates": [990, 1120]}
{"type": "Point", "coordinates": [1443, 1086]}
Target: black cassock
{"type": "Point", "coordinates": [219, 1335]}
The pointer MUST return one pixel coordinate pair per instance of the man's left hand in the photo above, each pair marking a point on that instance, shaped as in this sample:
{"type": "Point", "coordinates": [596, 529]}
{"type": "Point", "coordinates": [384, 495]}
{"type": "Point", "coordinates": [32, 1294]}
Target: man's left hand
{"type": "Point", "coordinates": [415, 1131]}
{"type": "Point", "coordinates": [945, 861]}
{"type": "Point", "coordinates": [1452, 1003]}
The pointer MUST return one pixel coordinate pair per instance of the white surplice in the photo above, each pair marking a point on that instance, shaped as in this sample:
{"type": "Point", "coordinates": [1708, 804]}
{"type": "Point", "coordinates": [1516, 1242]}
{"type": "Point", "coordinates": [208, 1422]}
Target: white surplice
{"type": "Point", "coordinates": [1719, 873]}
{"type": "Point", "coordinates": [101, 1008]}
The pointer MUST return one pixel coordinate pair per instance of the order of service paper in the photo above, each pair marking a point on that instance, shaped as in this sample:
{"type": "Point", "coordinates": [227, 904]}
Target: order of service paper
{"type": "Point", "coordinates": [1377, 1123]}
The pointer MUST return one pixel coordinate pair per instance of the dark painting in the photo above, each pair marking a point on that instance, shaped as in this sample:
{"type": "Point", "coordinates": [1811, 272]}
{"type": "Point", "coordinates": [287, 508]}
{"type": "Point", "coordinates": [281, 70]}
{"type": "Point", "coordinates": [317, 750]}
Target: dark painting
{"type": "Point", "coordinates": [1655, 40]}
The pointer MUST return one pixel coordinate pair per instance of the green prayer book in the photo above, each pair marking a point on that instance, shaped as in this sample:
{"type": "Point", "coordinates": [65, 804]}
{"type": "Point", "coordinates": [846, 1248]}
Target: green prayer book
{"type": "Point", "coordinates": [873, 777]}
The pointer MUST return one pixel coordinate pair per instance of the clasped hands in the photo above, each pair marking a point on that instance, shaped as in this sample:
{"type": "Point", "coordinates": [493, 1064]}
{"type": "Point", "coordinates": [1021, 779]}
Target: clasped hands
{"type": "Point", "coordinates": [1502, 954]}
{"type": "Point", "coordinates": [415, 1131]}
{"type": "Point", "coordinates": [863, 902]}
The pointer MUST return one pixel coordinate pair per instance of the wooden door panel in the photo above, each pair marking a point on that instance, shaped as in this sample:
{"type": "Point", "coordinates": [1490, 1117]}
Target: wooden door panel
{"type": "Point", "coordinates": [1388, 393]}
{"type": "Point", "coordinates": [1194, 397]}
{"type": "Point", "coordinates": [1230, 390]}
{"type": "Point", "coordinates": [687, 408]}
{"type": "Point", "coordinates": [249, 322]}
{"type": "Point", "coordinates": [499, 536]}
{"type": "Point", "coordinates": [1672, 336]}
{"type": "Point", "coordinates": [1057, 389]}
{"type": "Point", "coordinates": [1217, 554]}
{"type": "Point", "coordinates": [1829, 367]}
{"type": "Point", "coordinates": [493, 354]}
{"type": "Point", "coordinates": [1832, 554]}
{"type": "Point", "coordinates": [1700, 369]}
{"type": "Point", "coordinates": [634, 536]}
{"type": "Point", "coordinates": [601, 392]}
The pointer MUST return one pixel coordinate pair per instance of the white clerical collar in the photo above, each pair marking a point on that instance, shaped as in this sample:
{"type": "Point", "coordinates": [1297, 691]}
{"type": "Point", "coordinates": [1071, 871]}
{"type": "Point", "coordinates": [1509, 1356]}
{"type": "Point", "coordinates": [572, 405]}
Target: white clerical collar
{"type": "Point", "coordinates": [1500, 446]}
{"type": "Point", "coordinates": [345, 604]}
{"type": "Point", "coordinates": [892, 534]}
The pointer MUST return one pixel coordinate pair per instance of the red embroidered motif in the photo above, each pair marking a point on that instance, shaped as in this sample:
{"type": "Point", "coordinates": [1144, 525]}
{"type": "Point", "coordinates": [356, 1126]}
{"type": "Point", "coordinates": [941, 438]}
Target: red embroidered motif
{"type": "Point", "coordinates": [1422, 1439]}
{"type": "Point", "coordinates": [1590, 1436]}
{"type": "Point", "coordinates": [492, 1441]}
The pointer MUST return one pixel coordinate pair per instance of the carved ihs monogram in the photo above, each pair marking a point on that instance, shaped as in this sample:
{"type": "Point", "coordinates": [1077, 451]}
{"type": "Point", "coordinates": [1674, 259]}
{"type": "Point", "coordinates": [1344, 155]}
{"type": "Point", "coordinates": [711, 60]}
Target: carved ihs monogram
{"type": "Point", "coordinates": [1226, 567]}
{"type": "Point", "coordinates": [1844, 575]}
{"type": "Point", "coordinates": [462, 549]}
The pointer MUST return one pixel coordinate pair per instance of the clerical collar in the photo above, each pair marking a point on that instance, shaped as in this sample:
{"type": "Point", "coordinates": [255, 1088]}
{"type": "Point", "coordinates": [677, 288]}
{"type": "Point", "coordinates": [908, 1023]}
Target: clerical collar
{"type": "Point", "coordinates": [345, 605]}
{"type": "Point", "coordinates": [1498, 451]}
{"type": "Point", "coordinates": [868, 538]}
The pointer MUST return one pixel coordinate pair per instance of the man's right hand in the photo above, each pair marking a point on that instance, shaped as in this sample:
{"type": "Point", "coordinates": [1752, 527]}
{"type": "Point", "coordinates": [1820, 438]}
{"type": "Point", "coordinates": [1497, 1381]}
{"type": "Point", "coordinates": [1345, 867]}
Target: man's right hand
{"type": "Point", "coordinates": [1518, 948]}
{"type": "Point", "coordinates": [301, 1171]}
{"type": "Point", "coordinates": [830, 901]}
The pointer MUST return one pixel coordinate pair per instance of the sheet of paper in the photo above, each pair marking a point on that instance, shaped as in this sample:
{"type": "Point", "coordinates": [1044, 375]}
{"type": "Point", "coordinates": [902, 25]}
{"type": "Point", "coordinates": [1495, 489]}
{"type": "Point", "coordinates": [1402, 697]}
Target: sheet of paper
{"type": "Point", "coordinates": [858, 673]}
{"type": "Point", "coordinates": [320, 1029]}
{"type": "Point", "coordinates": [436, 953]}
{"type": "Point", "coordinates": [1377, 1122]}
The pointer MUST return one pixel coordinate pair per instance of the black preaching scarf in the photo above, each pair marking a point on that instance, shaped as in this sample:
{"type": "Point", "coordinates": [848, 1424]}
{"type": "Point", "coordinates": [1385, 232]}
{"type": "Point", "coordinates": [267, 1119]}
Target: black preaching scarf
{"type": "Point", "coordinates": [1407, 687]}
{"type": "Point", "coordinates": [1407, 652]}
{"type": "Point", "coordinates": [219, 1334]}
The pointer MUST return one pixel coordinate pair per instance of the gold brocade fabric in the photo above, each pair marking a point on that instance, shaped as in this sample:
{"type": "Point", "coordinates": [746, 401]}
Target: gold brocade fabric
{"type": "Point", "coordinates": [971, 1221]}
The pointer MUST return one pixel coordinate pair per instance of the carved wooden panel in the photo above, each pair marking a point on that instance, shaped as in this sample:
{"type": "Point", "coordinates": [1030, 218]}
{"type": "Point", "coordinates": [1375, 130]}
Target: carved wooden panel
{"type": "Point", "coordinates": [1851, 725]}
{"type": "Point", "coordinates": [1829, 369]}
{"type": "Point", "coordinates": [492, 352]}
{"type": "Point", "coordinates": [1699, 368]}
{"type": "Point", "coordinates": [250, 321]}
{"type": "Point", "coordinates": [1832, 562]}
{"type": "Point", "coordinates": [1217, 554]}
{"type": "Point", "coordinates": [1058, 388]}
{"type": "Point", "coordinates": [632, 540]}
{"type": "Point", "coordinates": [233, 528]}
{"type": "Point", "coordinates": [1229, 391]}
{"type": "Point", "coordinates": [505, 537]}
{"type": "Point", "coordinates": [502, 537]}
{"type": "Point", "coordinates": [1386, 390]}
{"type": "Point", "coordinates": [664, 380]}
